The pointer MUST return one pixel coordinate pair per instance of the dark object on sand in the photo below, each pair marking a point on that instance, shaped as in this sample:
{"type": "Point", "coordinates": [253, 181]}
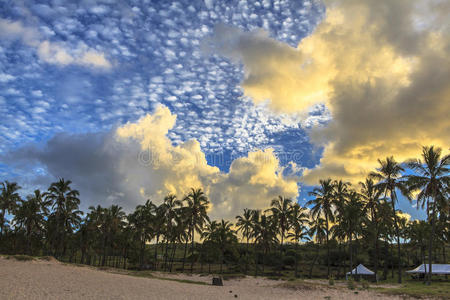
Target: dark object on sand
{"type": "Point", "coordinates": [217, 281]}
{"type": "Point", "coordinates": [235, 296]}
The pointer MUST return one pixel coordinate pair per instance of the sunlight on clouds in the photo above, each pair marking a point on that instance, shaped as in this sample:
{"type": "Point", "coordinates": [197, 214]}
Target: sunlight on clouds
{"type": "Point", "coordinates": [385, 83]}
{"type": "Point", "coordinates": [251, 182]}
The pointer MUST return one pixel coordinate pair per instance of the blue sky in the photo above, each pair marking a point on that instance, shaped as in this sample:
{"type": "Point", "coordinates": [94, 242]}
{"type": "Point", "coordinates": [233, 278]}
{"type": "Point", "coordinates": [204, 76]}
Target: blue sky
{"type": "Point", "coordinates": [147, 53]}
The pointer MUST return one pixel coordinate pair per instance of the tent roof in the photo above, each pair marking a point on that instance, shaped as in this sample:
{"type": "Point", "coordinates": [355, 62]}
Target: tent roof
{"type": "Point", "coordinates": [435, 269]}
{"type": "Point", "coordinates": [361, 270]}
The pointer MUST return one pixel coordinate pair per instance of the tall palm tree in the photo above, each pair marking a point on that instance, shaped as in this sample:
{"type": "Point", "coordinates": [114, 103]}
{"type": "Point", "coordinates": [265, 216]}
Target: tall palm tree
{"type": "Point", "coordinates": [244, 225]}
{"type": "Point", "coordinates": [385, 229]}
{"type": "Point", "coordinates": [9, 199]}
{"type": "Point", "coordinates": [419, 233]}
{"type": "Point", "coordinates": [142, 220]}
{"type": "Point", "coordinates": [65, 204]}
{"type": "Point", "coordinates": [281, 209]}
{"type": "Point", "coordinates": [350, 214]}
{"type": "Point", "coordinates": [265, 233]}
{"type": "Point", "coordinates": [389, 176]}
{"type": "Point", "coordinates": [431, 179]}
{"type": "Point", "coordinates": [30, 216]}
{"type": "Point", "coordinates": [371, 195]}
{"type": "Point", "coordinates": [170, 209]}
{"type": "Point", "coordinates": [114, 221]}
{"type": "Point", "coordinates": [220, 234]}
{"type": "Point", "coordinates": [317, 230]}
{"type": "Point", "coordinates": [323, 204]}
{"type": "Point", "coordinates": [197, 204]}
{"type": "Point", "coordinates": [297, 219]}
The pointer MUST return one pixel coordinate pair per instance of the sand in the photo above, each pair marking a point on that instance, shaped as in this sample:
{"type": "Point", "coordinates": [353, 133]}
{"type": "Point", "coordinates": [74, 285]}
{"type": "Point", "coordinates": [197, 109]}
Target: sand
{"type": "Point", "coordinates": [41, 279]}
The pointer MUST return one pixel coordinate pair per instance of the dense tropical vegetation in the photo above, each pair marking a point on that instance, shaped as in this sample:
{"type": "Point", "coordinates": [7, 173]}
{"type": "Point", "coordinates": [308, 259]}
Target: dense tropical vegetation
{"type": "Point", "coordinates": [341, 226]}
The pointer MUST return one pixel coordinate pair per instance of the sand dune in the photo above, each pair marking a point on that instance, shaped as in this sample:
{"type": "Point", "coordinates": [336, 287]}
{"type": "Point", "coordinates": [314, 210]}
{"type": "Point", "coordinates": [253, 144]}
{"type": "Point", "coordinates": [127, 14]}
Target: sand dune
{"type": "Point", "coordinates": [53, 280]}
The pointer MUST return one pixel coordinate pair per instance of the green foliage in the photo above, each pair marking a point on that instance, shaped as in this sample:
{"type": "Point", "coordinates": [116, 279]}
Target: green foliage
{"type": "Point", "coordinates": [289, 260]}
{"type": "Point", "coordinates": [344, 227]}
{"type": "Point", "coordinates": [20, 257]}
{"type": "Point", "coordinates": [331, 280]}
{"type": "Point", "coordinates": [351, 285]}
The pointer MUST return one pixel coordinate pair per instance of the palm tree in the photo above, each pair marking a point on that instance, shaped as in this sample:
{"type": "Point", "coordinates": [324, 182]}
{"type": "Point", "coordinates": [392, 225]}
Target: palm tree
{"type": "Point", "coordinates": [317, 229]}
{"type": "Point", "coordinates": [371, 195]}
{"type": "Point", "coordinates": [114, 222]}
{"type": "Point", "coordinates": [323, 205]}
{"type": "Point", "coordinates": [221, 235]}
{"type": "Point", "coordinates": [265, 233]}
{"type": "Point", "coordinates": [30, 216]}
{"type": "Point", "coordinates": [385, 229]}
{"type": "Point", "coordinates": [142, 221]}
{"type": "Point", "coordinates": [281, 209]}
{"type": "Point", "coordinates": [297, 220]}
{"type": "Point", "coordinates": [389, 180]}
{"type": "Point", "coordinates": [431, 180]}
{"type": "Point", "coordinates": [169, 209]}
{"type": "Point", "coordinates": [197, 204]}
{"type": "Point", "coordinates": [419, 233]}
{"type": "Point", "coordinates": [244, 225]}
{"type": "Point", "coordinates": [65, 204]}
{"type": "Point", "coordinates": [8, 200]}
{"type": "Point", "coordinates": [350, 214]}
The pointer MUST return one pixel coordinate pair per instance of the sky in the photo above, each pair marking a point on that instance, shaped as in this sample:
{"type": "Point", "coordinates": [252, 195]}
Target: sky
{"type": "Point", "coordinates": [247, 99]}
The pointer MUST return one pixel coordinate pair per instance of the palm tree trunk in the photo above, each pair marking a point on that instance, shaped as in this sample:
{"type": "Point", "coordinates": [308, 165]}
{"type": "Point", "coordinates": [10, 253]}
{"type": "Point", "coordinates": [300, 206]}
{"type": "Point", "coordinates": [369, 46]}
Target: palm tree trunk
{"type": "Point", "coordinates": [1, 221]}
{"type": "Point", "coordinates": [221, 259]}
{"type": "Point", "coordinates": [350, 245]}
{"type": "Point", "coordinates": [184, 256]}
{"type": "Point", "coordinates": [397, 233]}
{"type": "Point", "coordinates": [192, 249]}
{"type": "Point", "coordinates": [156, 253]}
{"type": "Point", "coordinates": [385, 266]}
{"type": "Point", "coordinates": [314, 261]}
{"type": "Point", "coordinates": [142, 252]}
{"type": "Point", "coordinates": [246, 259]}
{"type": "Point", "coordinates": [296, 259]}
{"type": "Point", "coordinates": [104, 252]}
{"type": "Point", "coordinates": [374, 218]}
{"type": "Point", "coordinates": [166, 254]}
{"type": "Point", "coordinates": [430, 250]}
{"type": "Point", "coordinates": [173, 256]}
{"type": "Point", "coordinates": [256, 259]}
{"type": "Point", "coordinates": [328, 249]}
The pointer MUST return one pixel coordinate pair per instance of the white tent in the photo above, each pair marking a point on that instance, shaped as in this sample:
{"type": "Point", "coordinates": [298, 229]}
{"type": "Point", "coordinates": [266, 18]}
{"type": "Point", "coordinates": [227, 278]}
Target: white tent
{"type": "Point", "coordinates": [360, 270]}
{"type": "Point", "coordinates": [437, 269]}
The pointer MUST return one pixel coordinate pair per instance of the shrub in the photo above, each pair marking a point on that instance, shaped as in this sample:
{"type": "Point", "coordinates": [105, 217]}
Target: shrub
{"type": "Point", "coordinates": [289, 260]}
{"type": "Point", "coordinates": [365, 284]}
{"type": "Point", "coordinates": [331, 280]}
{"type": "Point", "coordinates": [351, 284]}
{"type": "Point", "coordinates": [21, 257]}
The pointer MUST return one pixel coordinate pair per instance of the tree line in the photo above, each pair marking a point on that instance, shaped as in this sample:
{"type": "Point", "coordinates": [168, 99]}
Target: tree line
{"type": "Point", "coordinates": [343, 219]}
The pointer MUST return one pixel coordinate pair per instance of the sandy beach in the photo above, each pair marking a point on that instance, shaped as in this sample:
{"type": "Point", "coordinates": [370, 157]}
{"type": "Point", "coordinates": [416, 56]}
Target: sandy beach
{"type": "Point", "coordinates": [41, 279]}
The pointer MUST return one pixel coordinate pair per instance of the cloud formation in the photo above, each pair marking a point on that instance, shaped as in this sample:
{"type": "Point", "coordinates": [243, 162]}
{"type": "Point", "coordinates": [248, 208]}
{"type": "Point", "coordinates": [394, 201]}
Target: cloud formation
{"type": "Point", "coordinates": [381, 67]}
{"type": "Point", "coordinates": [137, 161]}
{"type": "Point", "coordinates": [53, 53]}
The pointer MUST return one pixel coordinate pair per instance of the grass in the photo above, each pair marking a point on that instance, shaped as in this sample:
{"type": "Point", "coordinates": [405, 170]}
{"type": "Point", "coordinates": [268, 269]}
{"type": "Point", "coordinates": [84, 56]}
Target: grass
{"type": "Point", "coordinates": [147, 274]}
{"type": "Point", "coordinates": [299, 285]}
{"type": "Point", "coordinates": [20, 257]}
{"type": "Point", "coordinates": [417, 289]}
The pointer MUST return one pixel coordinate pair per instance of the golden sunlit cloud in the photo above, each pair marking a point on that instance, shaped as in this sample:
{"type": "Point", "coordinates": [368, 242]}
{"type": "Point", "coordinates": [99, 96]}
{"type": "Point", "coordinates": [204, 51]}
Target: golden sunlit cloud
{"type": "Point", "coordinates": [382, 69]}
{"type": "Point", "coordinates": [251, 182]}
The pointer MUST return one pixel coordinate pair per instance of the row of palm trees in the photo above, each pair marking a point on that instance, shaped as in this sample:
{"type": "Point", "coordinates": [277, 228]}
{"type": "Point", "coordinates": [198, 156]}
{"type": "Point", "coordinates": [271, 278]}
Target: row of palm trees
{"type": "Point", "coordinates": [51, 223]}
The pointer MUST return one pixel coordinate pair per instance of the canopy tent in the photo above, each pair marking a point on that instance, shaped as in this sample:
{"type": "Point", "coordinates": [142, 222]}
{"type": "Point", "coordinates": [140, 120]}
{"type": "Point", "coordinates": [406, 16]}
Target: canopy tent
{"type": "Point", "coordinates": [360, 270]}
{"type": "Point", "coordinates": [437, 269]}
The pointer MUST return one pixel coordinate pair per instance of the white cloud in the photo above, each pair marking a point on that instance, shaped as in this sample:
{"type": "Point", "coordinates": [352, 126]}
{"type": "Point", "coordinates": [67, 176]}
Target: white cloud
{"type": "Point", "coordinates": [53, 53]}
